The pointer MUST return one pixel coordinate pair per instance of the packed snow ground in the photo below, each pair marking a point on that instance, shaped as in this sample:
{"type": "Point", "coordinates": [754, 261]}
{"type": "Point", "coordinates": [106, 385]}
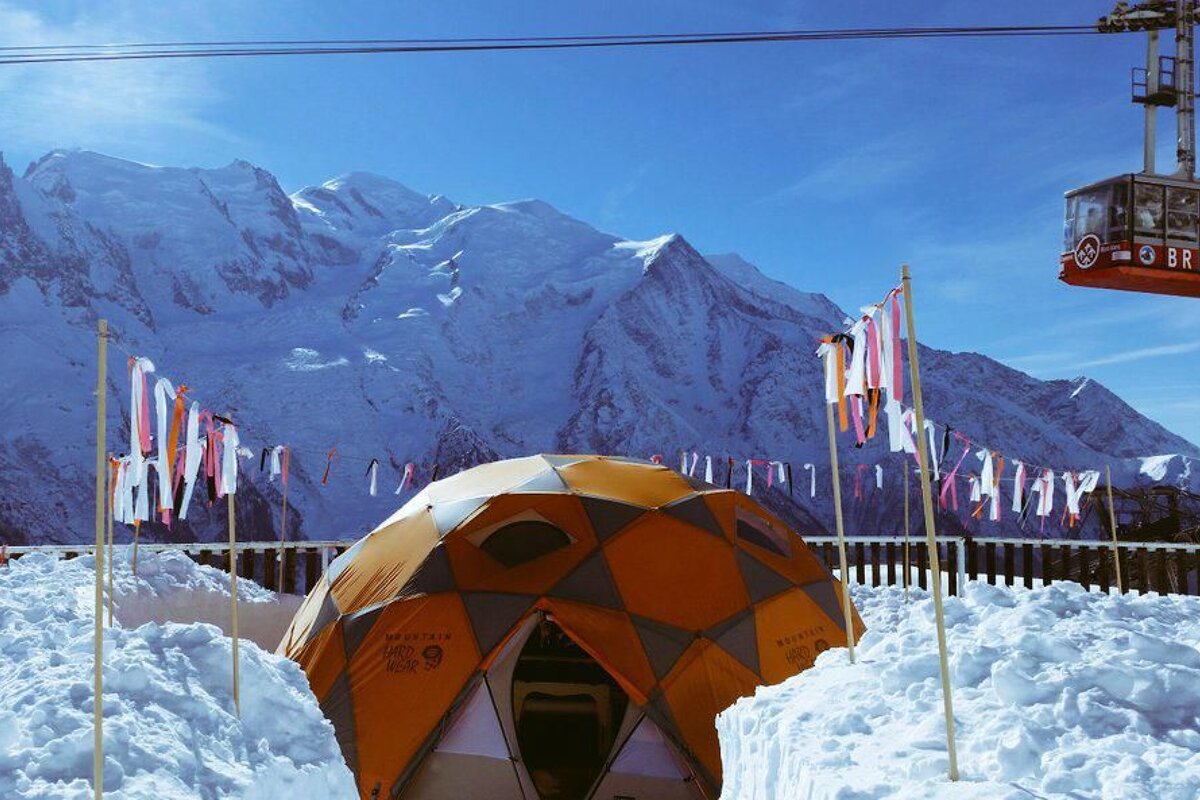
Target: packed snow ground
{"type": "Point", "coordinates": [1058, 692]}
{"type": "Point", "coordinates": [170, 730]}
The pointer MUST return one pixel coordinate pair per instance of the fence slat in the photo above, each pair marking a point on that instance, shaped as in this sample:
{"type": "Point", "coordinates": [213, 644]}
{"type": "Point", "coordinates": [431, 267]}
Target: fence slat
{"type": "Point", "coordinates": [1163, 582]}
{"type": "Point", "coordinates": [972, 559]}
{"type": "Point", "coordinates": [312, 568]}
{"type": "Point", "coordinates": [1144, 563]}
{"type": "Point", "coordinates": [922, 564]}
{"type": "Point", "coordinates": [826, 555]}
{"type": "Point", "coordinates": [1047, 565]}
{"type": "Point", "coordinates": [1085, 567]}
{"type": "Point", "coordinates": [876, 565]}
{"type": "Point", "coordinates": [1103, 556]}
{"type": "Point", "coordinates": [989, 549]}
{"type": "Point", "coordinates": [246, 566]}
{"type": "Point", "coordinates": [1181, 572]}
{"type": "Point", "coordinates": [860, 564]}
{"type": "Point", "coordinates": [289, 570]}
{"type": "Point", "coordinates": [1010, 550]}
{"type": "Point", "coordinates": [271, 569]}
{"type": "Point", "coordinates": [950, 567]}
{"type": "Point", "coordinates": [1027, 565]}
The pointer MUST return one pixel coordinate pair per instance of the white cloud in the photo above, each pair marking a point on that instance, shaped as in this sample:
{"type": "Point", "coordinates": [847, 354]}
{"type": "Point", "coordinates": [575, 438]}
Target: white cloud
{"type": "Point", "coordinates": [122, 106]}
{"type": "Point", "coordinates": [1142, 353]}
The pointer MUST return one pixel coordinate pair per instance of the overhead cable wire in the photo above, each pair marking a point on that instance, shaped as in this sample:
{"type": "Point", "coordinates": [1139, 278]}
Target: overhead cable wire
{"type": "Point", "coordinates": [41, 54]}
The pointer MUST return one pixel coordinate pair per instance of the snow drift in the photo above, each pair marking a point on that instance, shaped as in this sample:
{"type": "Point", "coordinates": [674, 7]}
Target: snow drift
{"type": "Point", "coordinates": [170, 730]}
{"type": "Point", "coordinates": [1058, 693]}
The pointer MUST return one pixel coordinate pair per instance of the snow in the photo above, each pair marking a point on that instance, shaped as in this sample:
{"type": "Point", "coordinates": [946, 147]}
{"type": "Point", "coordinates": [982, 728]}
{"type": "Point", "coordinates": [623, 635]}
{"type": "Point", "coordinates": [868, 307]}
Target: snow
{"type": "Point", "coordinates": [169, 724]}
{"type": "Point", "coordinates": [1083, 382]}
{"type": "Point", "coordinates": [1155, 467]}
{"type": "Point", "coordinates": [1058, 693]}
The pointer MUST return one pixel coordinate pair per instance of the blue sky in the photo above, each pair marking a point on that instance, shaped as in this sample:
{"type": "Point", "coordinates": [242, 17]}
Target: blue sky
{"type": "Point", "coordinates": [826, 164]}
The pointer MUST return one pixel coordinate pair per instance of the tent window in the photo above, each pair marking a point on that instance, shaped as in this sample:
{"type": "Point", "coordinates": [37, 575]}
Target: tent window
{"type": "Point", "coordinates": [523, 541]}
{"type": "Point", "coordinates": [760, 533]}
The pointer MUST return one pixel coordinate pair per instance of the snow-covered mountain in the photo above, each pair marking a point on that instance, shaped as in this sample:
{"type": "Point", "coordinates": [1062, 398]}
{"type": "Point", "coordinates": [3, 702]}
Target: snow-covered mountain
{"type": "Point", "coordinates": [364, 316]}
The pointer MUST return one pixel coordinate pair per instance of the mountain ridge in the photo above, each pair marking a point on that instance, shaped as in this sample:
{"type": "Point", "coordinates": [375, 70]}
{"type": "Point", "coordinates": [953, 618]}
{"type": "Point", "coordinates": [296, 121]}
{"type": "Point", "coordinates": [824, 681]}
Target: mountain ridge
{"type": "Point", "coordinates": [390, 324]}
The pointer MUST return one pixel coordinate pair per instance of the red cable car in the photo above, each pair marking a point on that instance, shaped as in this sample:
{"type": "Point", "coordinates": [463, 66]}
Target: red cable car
{"type": "Point", "coordinates": [1139, 232]}
{"type": "Point", "coordinates": [1134, 232]}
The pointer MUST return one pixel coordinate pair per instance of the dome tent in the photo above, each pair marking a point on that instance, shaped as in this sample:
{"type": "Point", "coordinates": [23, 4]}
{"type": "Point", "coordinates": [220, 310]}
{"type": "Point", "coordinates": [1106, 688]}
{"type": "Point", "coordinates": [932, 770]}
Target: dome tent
{"type": "Point", "coordinates": [558, 627]}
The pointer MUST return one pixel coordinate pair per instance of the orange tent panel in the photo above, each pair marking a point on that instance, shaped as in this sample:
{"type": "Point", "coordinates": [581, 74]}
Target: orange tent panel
{"type": "Point", "coordinates": [792, 631]}
{"type": "Point", "coordinates": [384, 562]}
{"type": "Point", "coordinates": [405, 674]}
{"type": "Point", "coordinates": [676, 573]}
{"type": "Point", "coordinates": [609, 637]}
{"type": "Point", "coordinates": [647, 485]}
{"type": "Point", "coordinates": [705, 682]}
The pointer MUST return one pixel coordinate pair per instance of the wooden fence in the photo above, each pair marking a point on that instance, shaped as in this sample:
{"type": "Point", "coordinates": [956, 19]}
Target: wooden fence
{"type": "Point", "coordinates": [1163, 567]}
{"type": "Point", "coordinates": [1166, 568]}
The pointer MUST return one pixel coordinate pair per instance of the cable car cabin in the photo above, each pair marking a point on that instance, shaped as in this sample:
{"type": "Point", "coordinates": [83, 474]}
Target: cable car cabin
{"type": "Point", "coordinates": [1134, 232]}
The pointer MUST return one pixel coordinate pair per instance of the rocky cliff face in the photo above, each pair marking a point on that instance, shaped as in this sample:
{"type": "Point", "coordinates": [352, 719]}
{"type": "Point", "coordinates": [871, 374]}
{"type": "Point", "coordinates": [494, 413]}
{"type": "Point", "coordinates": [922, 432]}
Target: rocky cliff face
{"type": "Point", "coordinates": [364, 316]}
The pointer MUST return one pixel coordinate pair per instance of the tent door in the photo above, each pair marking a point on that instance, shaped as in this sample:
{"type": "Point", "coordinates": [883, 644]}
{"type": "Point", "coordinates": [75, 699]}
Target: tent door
{"type": "Point", "coordinates": [567, 711]}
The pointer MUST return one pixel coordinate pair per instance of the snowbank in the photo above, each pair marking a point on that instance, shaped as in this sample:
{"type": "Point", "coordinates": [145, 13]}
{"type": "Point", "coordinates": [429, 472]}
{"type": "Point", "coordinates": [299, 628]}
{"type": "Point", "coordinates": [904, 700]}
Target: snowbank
{"type": "Point", "coordinates": [1058, 693]}
{"type": "Point", "coordinates": [170, 728]}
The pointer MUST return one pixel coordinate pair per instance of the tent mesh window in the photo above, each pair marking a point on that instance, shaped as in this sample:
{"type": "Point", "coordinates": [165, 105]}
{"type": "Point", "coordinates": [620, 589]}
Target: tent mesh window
{"type": "Point", "coordinates": [524, 541]}
{"type": "Point", "coordinates": [761, 533]}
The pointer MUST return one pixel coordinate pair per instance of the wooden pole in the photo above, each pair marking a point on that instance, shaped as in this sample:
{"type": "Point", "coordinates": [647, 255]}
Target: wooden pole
{"type": "Point", "coordinates": [847, 615]}
{"type": "Point", "coordinates": [101, 472]}
{"type": "Point", "coordinates": [1112, 523]}
{"type": "Point", "coordinates": [233, 602]}
{"type": "Point", "coordinates": [930, 531]}
{"type": "Point", "coordinates": [137, 529]}
{"type": "Point", "coordinates": [108, 495]}
{"type": "Point", "coordinates": [907, 576]}
{"type": "Point", "coordinates": [283, 524]}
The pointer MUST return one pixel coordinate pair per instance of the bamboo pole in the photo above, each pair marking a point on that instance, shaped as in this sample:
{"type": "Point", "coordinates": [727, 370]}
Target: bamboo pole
{"type": "Point", "coordinates": [847, 614]}
{"type": "Point", "coordinates": [907, 576]}
{"type": "Point", "coordinates": [233, 602]}
{"type": "Point", "coordinates": [283, 524]}
{"type": "Point", "coordinates": [930, 531]}
{"type": "Point", "coordinates": [108, 496]}
{"type": "Point", "coordinates": [1112, 523]}
{"type": "Point", "coordinates": [101, 481]}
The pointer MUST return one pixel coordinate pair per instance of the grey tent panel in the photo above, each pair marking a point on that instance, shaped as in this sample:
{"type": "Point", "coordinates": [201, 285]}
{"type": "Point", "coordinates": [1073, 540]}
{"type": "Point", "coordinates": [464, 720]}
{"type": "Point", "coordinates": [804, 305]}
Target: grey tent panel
{"type": "Point", "coordinates": [356, 626]}
{"type": "Point", "coordinates": [608, 517]}
{"type": "Point", "coordinates": [448, 516]}
{"type": "Point", "coordinates": [738, 636]}
{"type": "Point", "coordinates": [562, 461]}
{"type": "Point", "coordinates": [663, 643]}
{"type": "Point", "coordinates": [826, 597]}
{"type": "Point", "coordinates": [590, 582]}
{"type": "Point", "coordinates": [761, 581]}
{"type": "Point", "coordinates": [493, 615]}
{"type": "Point", "coordinates": [338, 708]}
{"type": "Point", "coordinates": [339, 564]}
{"type": "Point", "coordinates": [451, 776]}
{"type": "Point", "coordinates": [432, 577]}
{"type": "Point", "coordinates": [548, 482]}
{"type": "Point", "coordinates": [694, 511]}
{"type": "Point", "coordinates": [326, 616]}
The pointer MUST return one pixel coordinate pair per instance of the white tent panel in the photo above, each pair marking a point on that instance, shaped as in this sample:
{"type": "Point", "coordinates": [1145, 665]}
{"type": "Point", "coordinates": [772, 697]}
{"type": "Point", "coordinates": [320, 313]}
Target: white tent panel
{"type": "Point", "coordinates": [647, 752]}
{"type": "Point", "coordinates": [475, 730]}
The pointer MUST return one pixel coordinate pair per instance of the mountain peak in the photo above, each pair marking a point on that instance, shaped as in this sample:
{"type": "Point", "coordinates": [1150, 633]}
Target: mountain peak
{"type": "Point", "coordinates": [369, 203]}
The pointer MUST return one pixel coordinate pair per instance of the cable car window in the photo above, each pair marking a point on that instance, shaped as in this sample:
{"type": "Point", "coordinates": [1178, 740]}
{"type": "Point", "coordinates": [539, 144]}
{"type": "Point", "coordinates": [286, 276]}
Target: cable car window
{"type": "Point", "coordinates": [1148, 210]}
{"type": "Point", "coordinates": [1069, 225]}
{"type": "Point", "coordinates": [1091, 213]}
{"type": "Point", "coordinates": [1117, 213]}
{"type": "Point", "coordinates": [1181, 214]}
